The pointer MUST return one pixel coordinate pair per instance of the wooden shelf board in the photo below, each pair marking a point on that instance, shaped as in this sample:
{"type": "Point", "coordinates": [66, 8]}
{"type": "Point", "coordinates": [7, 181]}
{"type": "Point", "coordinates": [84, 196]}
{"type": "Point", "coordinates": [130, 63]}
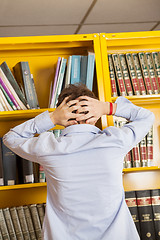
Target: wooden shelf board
{"type": "Point", "coordinates": [140, 169]}
{"type": "Point", "coordinates": [142, 99]}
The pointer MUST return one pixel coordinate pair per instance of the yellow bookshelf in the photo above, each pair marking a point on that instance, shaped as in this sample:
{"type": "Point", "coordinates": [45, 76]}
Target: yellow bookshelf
{"type": "Point", "coordinates": [42, 54]}
{"type": "Point", "coordinates": [135, 178]}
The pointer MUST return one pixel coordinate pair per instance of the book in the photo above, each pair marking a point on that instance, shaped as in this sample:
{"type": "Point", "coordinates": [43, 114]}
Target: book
{"type": "Point", "coordinates": [75, 69]}
{"type": "Point", "coordinates": [149, 139]}
{"type": "Point", "coordinates": [41, 212]}
{"type": "Point", "coordinates": [68, 72]}
{"type": "Point", "coordinates": [126, 75]}
{"type": "Point", "coordinates": [112, 76]}
{"type": "Point", "coordinates": [16, 223]}
{"type": "Point", "coordinates": [131, 201]}
{"type": "Point", "coordinates": [128, 160]}
{"type": "Point", "coordinates": [36, 220]}
{"type": "Point", "coordinates": [52, 99]}
{"type": "Point", "coordinates": [156, 64]}
{"type": "Point", "coordinates": [26, 83]}
{"type": "Point", "coordinates": [13, 82]}
{"type": "Point", "coordinates": [8, 98]}
{"type": "Point", "coordinates": [145, 73]}
{"type": "Point", "coordinates": [136, 156]}
{"type": "Point", "coordinates": [4, 102]}
{"type": "Point", "coordinates": [155, 201]}
{"type": "Point", "coordinates": [9, 165]}
{"type": "Point", "coordinates": [60, 80]}
{"type": "Point", "coordinates": [143, 152]}
{"type": "Point", "coordinates": [29, 222]}
{"type": "Point", "coordinates": [9, 224]}
{"type": "Point", "coordinates": [145, 214]}
{"type": "Point", "coordinates": [90, 70]}
{"type": "Point", "coordinates": [119, 75]}
{"type": "Point", "coordinates": [25, 171]}
{"type": "Point", "coordinates": [132, 72]}
{"type": "Point", "coordinates": [42, 177]}
{"type": "Point", "coordinates": [3, 226]}
{"type": "Point", "coordinates": [1, 165]}
{"type": "Point", "coordinates": [83, 69]}
{"type": "Point", "coordinates": [139, 73]}
{"type": "Point", "coordinates": [152, 73]}
{"type": "Point", "coordinates": [23, 222]}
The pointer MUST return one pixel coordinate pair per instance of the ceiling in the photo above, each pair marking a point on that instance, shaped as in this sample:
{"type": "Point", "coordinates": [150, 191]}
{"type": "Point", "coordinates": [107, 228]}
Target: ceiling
{"type": "Point", "coordinates": [58, 17]}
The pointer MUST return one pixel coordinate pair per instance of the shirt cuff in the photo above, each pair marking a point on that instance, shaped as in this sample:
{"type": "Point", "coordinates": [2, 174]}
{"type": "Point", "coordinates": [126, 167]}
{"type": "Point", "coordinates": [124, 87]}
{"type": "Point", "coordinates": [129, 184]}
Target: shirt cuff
{"type": "Point", "coordinates": [43, 122]}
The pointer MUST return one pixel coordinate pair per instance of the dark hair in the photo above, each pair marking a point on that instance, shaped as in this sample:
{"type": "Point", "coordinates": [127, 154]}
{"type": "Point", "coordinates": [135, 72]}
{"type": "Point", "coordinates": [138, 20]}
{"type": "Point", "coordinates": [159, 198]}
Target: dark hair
{"type": "Point", "coordinates": [74, 91]}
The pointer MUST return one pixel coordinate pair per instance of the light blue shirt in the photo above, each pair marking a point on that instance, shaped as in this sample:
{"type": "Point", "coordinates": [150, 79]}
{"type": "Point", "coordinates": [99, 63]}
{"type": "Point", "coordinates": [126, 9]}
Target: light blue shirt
{"type": "Point", "coordinates": [83, 167]}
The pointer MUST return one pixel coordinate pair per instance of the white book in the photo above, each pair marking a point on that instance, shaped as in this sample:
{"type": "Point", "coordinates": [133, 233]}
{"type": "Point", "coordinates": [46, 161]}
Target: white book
{"type": "Point", "coordinates": [5, 80]}
{"type": "Point", "coordinates": [68, 73]}
{"type": "Point", "coordinates": [5, 102]}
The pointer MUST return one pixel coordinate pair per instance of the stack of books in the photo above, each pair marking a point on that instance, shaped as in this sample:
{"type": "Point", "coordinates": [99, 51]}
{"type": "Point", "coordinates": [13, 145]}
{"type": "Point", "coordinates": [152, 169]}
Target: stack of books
{"type": "Point", "coordinates": [134, 73]}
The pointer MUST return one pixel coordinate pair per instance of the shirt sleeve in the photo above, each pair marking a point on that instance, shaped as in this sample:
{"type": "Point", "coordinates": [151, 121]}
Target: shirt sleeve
{"type": "Point", "coordinates": [140, 122]}
{"type": "Point", "coordinates": [21, 140]}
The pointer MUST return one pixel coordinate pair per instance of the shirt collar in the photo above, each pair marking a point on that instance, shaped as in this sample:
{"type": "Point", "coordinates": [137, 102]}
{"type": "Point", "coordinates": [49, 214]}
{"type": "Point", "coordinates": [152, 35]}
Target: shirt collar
{"type": "Point", "coordinates": [80, 128]}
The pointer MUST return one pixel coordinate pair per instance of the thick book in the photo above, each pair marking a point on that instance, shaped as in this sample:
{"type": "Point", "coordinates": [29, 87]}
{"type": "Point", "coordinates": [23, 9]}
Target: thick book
{"type": "Point", "coordinates": [42, 177]}
{"type": "Point", "coordinates": [3, 226]}
{"type": "Point", "coordinates": [75, 69]}
{"type": "Point", "coordinates": [16, 223]}
{"type": "Point", "coordinates": [145, 215]}
{"type": "Point", "coordinates": [143, 152]}
{"type": "Point", "coordinates": [23, 76]}
{"type": "Point", "coordinates": [128, 160]}
{"type": "Point", "coordinates": [14, 84]}
{"type": "Point", "coordinates": [9, 223]}
{"type": "Point", "coordinates": [9, 165]}
{"type": "Point", "coordinates": [36, 220]}
{"type": "Point", "coordinates": [136, 156]}
{"type": "Point", "coordinates": [23, 222]}
{"type": "Point", "coordinates": [156, 64]}
{"type": "Point", "coordinates": [132, 72]}
{"type": "Point", "coordinates": [145, 73]}
{"type": "Point", "coordinates": [52, 98]}
{"type": "Point", "coordinates": [68, 72]}
{"type": "Point", "coordinates": [29, 222]}
{"type": "Point", "coordinates": [25, 170]}
{"type": "Point", "coordinates": [41, 212]}
{"type": "Point", "coordinates": [1, 165]}
{"type": "Point", "coordinates": [112, 77]}
{"type": "Point", "coordinates": [152, 73]}
{"type": "Point", "coordinates": [83, 69]}
{"type": "Point", "coordinates": [126, 76]}
{"type": "Point", "coordinates": [149, 139]}
{"type": "Point", "coordinates": [119, 74]}
{"type": "Point", "coordinates": [90, 70]}
{"type": "Point", "coordinates": [139, 73]}
{"type": "Point", "coordinates": [131, 201]}
{"type": "Point", "coordinates": [155, 199]}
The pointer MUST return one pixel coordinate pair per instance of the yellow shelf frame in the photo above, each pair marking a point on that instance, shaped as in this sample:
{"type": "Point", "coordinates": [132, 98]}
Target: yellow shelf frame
{"type": "Point", "coordinates": [140, 169]}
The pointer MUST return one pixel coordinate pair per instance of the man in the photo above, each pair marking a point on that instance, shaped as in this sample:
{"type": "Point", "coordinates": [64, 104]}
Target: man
{"type": "Point", "coordinates": [83, 167]}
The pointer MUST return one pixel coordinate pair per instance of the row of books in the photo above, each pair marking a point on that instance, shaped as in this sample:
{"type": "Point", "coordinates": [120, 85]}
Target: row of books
{"type": "Point", "coordinates": [23, 222]}
{"type": "Point", "coordinates": [17, 91]}
{"type": "Point", "coordinates": [17, 170]}
{"type": "Point", "coordinates": [134, 73]}
{"type": "Point", "coordinates": [142, 154]}
{"type": "Point", "coordinates": [144, 206]}
{"type": "Point", "coordinates": [77, 69]}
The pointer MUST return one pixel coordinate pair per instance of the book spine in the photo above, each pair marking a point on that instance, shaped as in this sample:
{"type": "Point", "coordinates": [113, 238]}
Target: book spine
{"type": "Point", "coordinates": [16, 223]}
{"type": "Point", "coordinates": [150, 148]}
{"type": "Point", "coordinates": [75, 69]}
{"type": "Point", "coordinates": [83, 69]}
{"type": "Point", "coordinates": [152, 73]}
{"type": "Point", "coordinates": [112, 76]}
{"type": "Point", "coordinates": [126, 75]}
{"type": "Point", "coordinates": [41, 213]}
{"type": "Point", "coordinates": [42, 177]}
{"type": "Point", "coordinates": [2, 99]}
{"type": "Point", "coordinates": [36, 220]}
{"type": "Point", "coordinates": [145, 214]}
{"type": "Point", "coordinates": [68, 73]}
{"type": "Point", "coordinates": [29, 223]}
{"type": "Point", "coordinates": [131, 201]}
{"type": "Point", "coordinates": [136, 156]}
{"type": "Point", "coordinates": [119, 74]}
{"type": "Point", "coordinates": [155, 199]}
{"type": "Point", "coordinates": [3, 226]}
{"type": "Point", "coordinates": [9, 223]}
{"type": "Point", "coordinates": [90, 71]}
{"type": "Point", "coordinates": [23, 222]}
{"type": "Point", "coordinates": [9, 93]}
{"type": "Point", "coordinates": [139, 73]}
{"type": "Point", "coordinates": [128, 160]}
{"type": "Point", "coordinates": [156, 63]}
{"type": "Point", "coordinates": [34, 91]}
{"type": "Point", "coordinates": [143, 152]}
{"type": "Point", "coordinates": [8, 98]}
{"type": "Point", "coordinates": [134, 80]}
{"type": "Point", "coordinates": [145, 72]}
